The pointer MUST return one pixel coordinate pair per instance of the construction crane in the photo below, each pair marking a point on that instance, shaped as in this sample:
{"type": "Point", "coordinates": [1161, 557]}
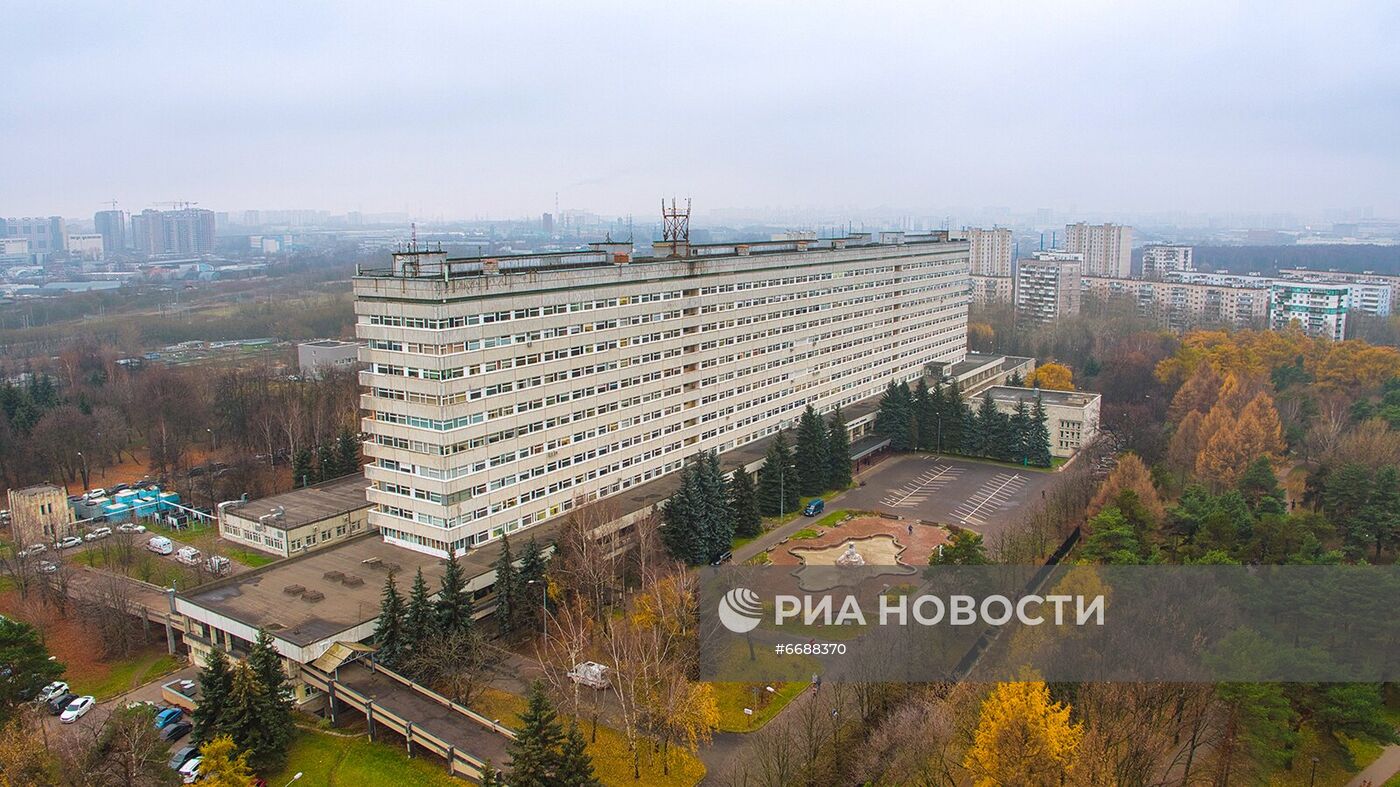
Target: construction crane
{"type": "Point", "coordinates": [178, 204]}
{"type": "Point", "coordinates": [112, 203]}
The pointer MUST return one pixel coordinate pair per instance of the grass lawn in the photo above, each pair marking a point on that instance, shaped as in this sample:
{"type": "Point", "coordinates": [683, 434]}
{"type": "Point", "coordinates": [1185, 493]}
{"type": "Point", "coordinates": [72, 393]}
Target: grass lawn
{"type": "Point", "coordinates": [612, 763]}
{"type": "Point", "coordinates": [732, 698]}
{"type": "Point", "coordinates": [122, 676]}
{"type": "Point", "coordinates": [741, 541]}
{"type": "Point", "coordinates": [1337, 760]}
{"type": "Point", "coordinates": [145, 566]}
{"type": "Point", "coordinates": [833, 517]}
{"type": "Point", "coordinates": [326, 759]}
{"type": "Point", "coordinates": [805, 533]}
{"type": "Point", "coordinates": [249, 557]}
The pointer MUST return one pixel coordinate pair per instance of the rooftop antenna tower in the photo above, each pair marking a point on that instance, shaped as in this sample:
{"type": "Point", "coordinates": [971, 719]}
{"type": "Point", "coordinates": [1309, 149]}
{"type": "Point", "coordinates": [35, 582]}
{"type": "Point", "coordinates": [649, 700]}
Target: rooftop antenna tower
{"type": "Point", "coordinates": [413, 236]}
{"type": "Point", "coordinates": [675, 224]}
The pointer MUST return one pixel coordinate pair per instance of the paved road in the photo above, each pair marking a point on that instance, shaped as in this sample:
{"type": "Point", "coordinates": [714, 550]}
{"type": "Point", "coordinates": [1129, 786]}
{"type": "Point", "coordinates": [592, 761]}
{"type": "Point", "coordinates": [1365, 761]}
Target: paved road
{"type": "Point", "coordinates": [1375, 774]}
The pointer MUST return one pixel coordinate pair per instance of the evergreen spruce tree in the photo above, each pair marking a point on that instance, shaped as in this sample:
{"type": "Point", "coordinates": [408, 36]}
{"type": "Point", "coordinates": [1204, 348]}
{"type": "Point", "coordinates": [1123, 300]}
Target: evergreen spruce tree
{"type": "Point", "coordinates": [420, 620]}
{"type": "Point", "coordinates": [743, 503]}
{"type": "Point", "coordinates": [722, 520]}
{"type": "Point", "coordinates": [895, 418]}
{"type": "Point", "coordinates": [454, 608]}
{"type": "Point", "coordinates": [1019, 434]}
{"type": "Point", "coordinates": [984, 427]}
{"type": "Point", "coordinates": [302, 472]}
{"type": "Point", "coordinates": [488, 775]}
{"type": "Point", "coordinates": [347, 453]}
{"type": "Point", "coordinates": [535, 752]}
{"type": "Point", "coordinates": [1016, 380]}
{"type": "Point", "coordinates": [938, 406]}
{"type": "Point", "coordinates": [925, 416]}
{"type": "Point", "coordinates": [388, 633]}
{"type": "Point", "coordinates": [813, 463]}
{"type": "Point", "coordinates": [575, 768]}
{"type": "Point", "coordinates": [507, 588]}
{"type": "Point", "coordinates": [1038, 442]}
{"type": "Point", "coordinates": [276, 698]}
{"type": "Point", "coordinates": [532, 596]}
{"type": "Point", "coordinates": [215, 679]}
{"type": "Point", "coordinates": [253, 718]}
{"type": "Point", "coordinates": [956, 420]}
{"type": "Point", "coordinates": [838, 450]}
{"type": "Point", "coordinates": [326, 467]}
{"type": "Point", "coordinates": [777, 480]}
{"type": "Point", "coordinates": [683, 534]}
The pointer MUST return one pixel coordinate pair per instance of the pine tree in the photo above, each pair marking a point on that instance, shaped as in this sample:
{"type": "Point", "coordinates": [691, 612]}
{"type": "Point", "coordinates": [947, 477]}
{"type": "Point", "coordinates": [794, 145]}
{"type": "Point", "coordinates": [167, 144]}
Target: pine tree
{"type": "Point", "coordinates": [813, 463]}
{"type": "Point", "coordinates": [925, 418]}
{"type": "Point", "coordinates": [454, 608]}
{"type": "Point", "coordinates": [1038, 436]}
{"type": "Point", "coordinates": [488, 775]}
{"type": "Point", "coordinates": [420, 620]}
{"type": "Point", "coordinates": [347, 453]}
{"type": "Point", "coordinates": [302, 472]}
{"type": "Point", "coordinates": [507, 588]}
{"type": "Point", "coordinates": [266, 664]}
{"type": "Point", "coordinates": [956, 419]}
{"type": "Point", "coordinates": [838, 448]}
{"type": "Point", "coordinates": [575, 767]}
{"type": "Point", "coordinates": [251, 719]}
{"type": "Point", "coordinates": [938, 410]}
{"type": "Point", "coordinates": [1019, 442]}
{"type": "Point", "coordinates": [535, 752]}
{"type": "Point", "coordinates": [531, 582]}
{"type": "Point", "coordinates": [683, 534]}
{"type": "Point", "coordinates": [388, 633]}
{"type": "Point", "coordinates": [743, 502]}
{"type": "Point", "coordinates": [215, 678]}
{"type": "Point", "coordinates": [326, 467]}
{"type": "Point", "coordinates": [777, 480]}
{"type": "Point", "coordinates": [983, 437]}
{"type": "Point", "coordinates": [718, 523]}
{"type": "Point", "coordinates": [895, 418]}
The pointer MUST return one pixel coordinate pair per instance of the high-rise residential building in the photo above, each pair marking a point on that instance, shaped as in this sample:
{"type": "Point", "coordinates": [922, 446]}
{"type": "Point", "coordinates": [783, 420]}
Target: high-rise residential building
{"type": "Point", "coordinates": [500, 391]}
{"type": "Point", "coordinates": [111, 225]}
{"type": "Point", "coordinates": [1159, 259]}
{"type": "Point", "coordinates": [184, 231]}
{"type": "Point", "coordinates": [987, 290]}
{"type": "Point", "coordinates": [1320, 309]}
{"type": "Point", "coordinates": [1048, 285]}
{"type": "Point", "coordinates": [991, 251]}
{"type": "Point", "coordinates": [1107, 248]}
{"type": "Point", "coordinates": [46, 235]}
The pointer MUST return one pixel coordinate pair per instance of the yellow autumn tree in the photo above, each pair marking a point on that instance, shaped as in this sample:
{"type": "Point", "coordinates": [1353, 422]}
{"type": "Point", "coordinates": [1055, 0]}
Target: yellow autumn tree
{"type": "Point", "coordinates": [1260, 431]}
{"type": "Point", "coordinates": [1224, 454]}
{"type": "Point", "coordinates": [1022, 738]}
{"type": "Point", "coordinates": [222, 767]}
{"type": "Point", "coordinates": [1197, 394]}
{"type": "Point", "coordinates": [1129, 474]}
{"type": "Point", "coordinates": [1237, 390]}
{"type": "Point", "coordinates": [1186, 442]}
{"type": "Point", "coordinates": [1051, 377]}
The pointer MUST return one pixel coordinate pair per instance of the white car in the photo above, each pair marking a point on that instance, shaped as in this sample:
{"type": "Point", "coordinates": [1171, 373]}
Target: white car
{"type": "Point", "coordinates": [34, 549]}
{"type": "Point", "coordinates": [56, 689]}
{"type": "Point", "coordinates": [69, 543]}
{"type": "Point", "coordinates": [101, 532]}
{"type": "Point", "coordinates": [129, 527]}
{"type": "Point", "coordinates": [48, 567]}
{"type": "Point", "coordinates": [77, 709]}
{"type": "Point", "coordinates": [93, 494]}
{"type": "Point", "coordinates": [591, 674]}
{"type": "Point", "coordinates": [189, 772]}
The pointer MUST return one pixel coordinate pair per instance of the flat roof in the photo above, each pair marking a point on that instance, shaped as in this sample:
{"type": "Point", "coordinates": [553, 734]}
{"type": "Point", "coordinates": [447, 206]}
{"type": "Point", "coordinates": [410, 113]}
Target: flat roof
{"type": "Point", "coordinates": [311, 504]}
{"type": "Point", "coordinates": [1008, 393]}
{"type": "Point", "coordinates": [327, 343]}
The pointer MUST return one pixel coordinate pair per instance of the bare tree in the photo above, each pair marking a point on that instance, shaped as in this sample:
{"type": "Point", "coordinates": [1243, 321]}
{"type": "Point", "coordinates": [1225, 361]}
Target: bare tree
{"type": "Point", "coordinates": [113, 614]}
{"type": "Point", "coordinates": [453, 665]}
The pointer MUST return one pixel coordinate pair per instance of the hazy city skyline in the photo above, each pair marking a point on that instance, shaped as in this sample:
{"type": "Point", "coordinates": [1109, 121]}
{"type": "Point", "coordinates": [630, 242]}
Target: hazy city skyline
{"type": "Point", "coordinates": [490, 111]}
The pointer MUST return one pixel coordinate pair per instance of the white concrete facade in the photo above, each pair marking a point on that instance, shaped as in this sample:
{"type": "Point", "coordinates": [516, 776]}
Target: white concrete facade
{"type": "Point", "coordinates": [1182, 305]}
{"type": "Point", "coordinates": [1048, 285]}
{"type": "Point", "coordinates": [1107, 248]}
{"type": "Point", "coordinates": [501, 390]}
{"type": "Point", "coordinates": [1159, 259]}
{"type": "Point", "coordinates": [1071, 416]}
{"type": "Point", "coordinates": [990, 251]}
{"type": "Point", "coordinates": [1320, 309]}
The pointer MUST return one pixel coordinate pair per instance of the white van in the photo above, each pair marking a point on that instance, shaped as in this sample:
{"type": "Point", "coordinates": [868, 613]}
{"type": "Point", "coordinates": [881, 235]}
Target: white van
{"type": "Point", "coordinates": [218, 564]}
{"type": "Point", "coordinates": [188, 555]}
{"type": "Point", "coordinates": [160, 545]}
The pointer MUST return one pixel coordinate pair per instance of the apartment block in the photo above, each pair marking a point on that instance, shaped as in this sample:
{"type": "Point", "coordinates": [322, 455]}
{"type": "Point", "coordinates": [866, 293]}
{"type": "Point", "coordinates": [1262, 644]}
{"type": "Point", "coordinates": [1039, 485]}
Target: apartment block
{"type": "Point", "coordinates": [1159, 259]}
{"type": "Point", "coordinates": [1048, 285]}
{"type": "Point", "coordinates": [185, 231]}
{"type": "Point", "coordinates": [46, 234]}
{"type": "Point", "coordinates": [1320, 309]}
{"type": "Point", "coordinates": [1107, 248]}
{"type": "Point", "coordinates": [993, 289]}
{"type": "Point", "coordinates": [1183, 304]}
{"type": "Point", "coordinates": [990, 251]}
{"type": "Point", "coordinates": [500, 391]}
{"type": "Point", "coordinates": [111, 225]}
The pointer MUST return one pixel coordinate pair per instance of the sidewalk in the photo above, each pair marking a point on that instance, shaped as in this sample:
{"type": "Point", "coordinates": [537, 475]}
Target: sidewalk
{"type": "Point", "coordinates": [1375, 774]}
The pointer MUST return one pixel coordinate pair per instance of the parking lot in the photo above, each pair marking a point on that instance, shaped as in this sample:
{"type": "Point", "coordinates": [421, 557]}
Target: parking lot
{"type": "Point", "coordinates": [981, 496]}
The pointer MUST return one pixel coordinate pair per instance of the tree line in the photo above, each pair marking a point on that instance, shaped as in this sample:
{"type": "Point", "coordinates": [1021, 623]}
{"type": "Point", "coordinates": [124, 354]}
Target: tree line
{"type": "Point", "coordinates": [248, 701]}
{"type": "Point", "coordinates": [941, 420]}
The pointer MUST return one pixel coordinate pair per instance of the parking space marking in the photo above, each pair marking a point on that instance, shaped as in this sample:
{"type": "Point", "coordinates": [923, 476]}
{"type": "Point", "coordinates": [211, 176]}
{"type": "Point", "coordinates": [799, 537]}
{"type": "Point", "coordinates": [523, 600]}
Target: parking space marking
{"type": "Point", "coordinates": [993, 495]}
{"type": "Point", "coordinates": [918, 489]}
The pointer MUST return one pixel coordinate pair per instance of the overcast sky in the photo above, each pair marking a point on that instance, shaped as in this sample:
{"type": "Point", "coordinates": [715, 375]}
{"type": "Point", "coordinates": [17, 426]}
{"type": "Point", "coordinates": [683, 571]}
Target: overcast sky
{"type": "Point", "coordinates": [488, 109]}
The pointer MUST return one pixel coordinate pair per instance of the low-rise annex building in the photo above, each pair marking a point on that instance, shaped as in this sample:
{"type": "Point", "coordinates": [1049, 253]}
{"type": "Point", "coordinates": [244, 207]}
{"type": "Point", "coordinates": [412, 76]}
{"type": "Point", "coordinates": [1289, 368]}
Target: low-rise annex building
{"type": "Point", "coordinates": [300, 520]}
{"type": "Point", "coordinates": [1071, 416]}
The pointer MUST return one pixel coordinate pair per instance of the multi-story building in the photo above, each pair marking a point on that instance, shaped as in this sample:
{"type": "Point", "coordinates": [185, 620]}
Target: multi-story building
{"type": "Point", "coordinates": [501, 390]}
{"type": "Point", "coordinates": [87, 246]}
{"type": "Point", "coordinates": [314, 358]}
{"type": "Point", "coordinates": [1071, 416]}
{"type": "Point", "coordinates": [302, 520]}
{"type": "Point", "coordinates": [1107, 248]}
{"type": "Point", "coordinates": [1048, 285]}
{"type": "Point", "coordinates": [991, 251]}
{"type": "Point", "coordinates": [1371, 293]}
{"type": "Point", "coordinates": [1159, 259]}
{"type": "Point", "coordinates": [184, 231]}
{"type": "Point", "coordinates": [1321, 309]}
{"type": "Point", "coordinates": [45, 234]}
{"type": "Point", "coordinates": [1180, 304]}
{"type": "Point", "coordinates": [39, 515]}
{"type": "Point", "coordinates": [111, 225]}
{"type": "Point", "coordinates": [993, 289]}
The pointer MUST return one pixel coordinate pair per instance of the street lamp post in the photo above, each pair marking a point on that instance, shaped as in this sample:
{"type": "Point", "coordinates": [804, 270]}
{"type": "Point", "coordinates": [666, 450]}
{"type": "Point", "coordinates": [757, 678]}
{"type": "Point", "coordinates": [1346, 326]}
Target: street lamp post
{"type": "Point", "coordinates": [1312, 778]}
{"type": "Point", "coordinates": [294, 778]}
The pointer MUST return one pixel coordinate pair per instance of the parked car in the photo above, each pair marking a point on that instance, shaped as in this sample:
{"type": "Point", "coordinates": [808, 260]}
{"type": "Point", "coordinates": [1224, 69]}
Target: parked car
{"type": "Point", "coordinates": [52, 690]}
{"type": "Point", "coordinates": [722, 558]}
{"type": "Point", "coordinates": [77, 709]}
{"type": "Point", "coordinates": [591, 674]}
{"type": "Point", "coordinates": [4, 514]}
{"type": "Point", "coordinates": [34, 549]}
{"type": "Point", "coordinates": [60, 703]}
{"type": "Point", "coordinates": [48, 567]}
{"type": "Point", "coordinates": [189, 772]}
{"type": "Point", "coordinates": [188, 555]}
{"type": "Point", "coordinates": [134, 704]}
{"type": "Point", "coordinates": [168, 717]}
{"type": "Point", "coordinates": [218, 564]}
{"type": "Point", "coordinates": [176, 731]}
{"type": "Point", "coordinates": [119, 488]}
{"type": "Point", "coordinates": [93, 494]}
{"type": "Point", "coordinates": [183, 755]}
{"type": "Point", "coordinates": [130, 527]}
{"type": "Point", "coordinates": [160, 545]}
{"type": "Point", "coordinates": [101, 532]}
{"type": "Point", "coordinates": [814, 507]}
{"type": "Point", "coordinates": [69, 543]}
